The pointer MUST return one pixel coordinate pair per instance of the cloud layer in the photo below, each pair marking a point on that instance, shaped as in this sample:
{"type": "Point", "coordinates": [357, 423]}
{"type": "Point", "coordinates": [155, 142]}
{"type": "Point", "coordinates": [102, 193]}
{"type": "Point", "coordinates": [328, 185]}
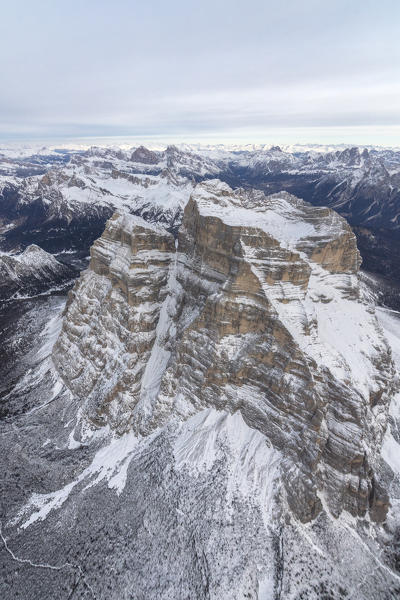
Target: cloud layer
{"type": "Point", "coordinates": [219, 68]}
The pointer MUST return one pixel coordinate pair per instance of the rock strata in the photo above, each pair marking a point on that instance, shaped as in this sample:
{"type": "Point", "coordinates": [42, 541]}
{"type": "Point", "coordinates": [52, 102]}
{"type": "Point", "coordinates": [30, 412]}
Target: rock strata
{"type": "Point", "coordinates": [257, 308]}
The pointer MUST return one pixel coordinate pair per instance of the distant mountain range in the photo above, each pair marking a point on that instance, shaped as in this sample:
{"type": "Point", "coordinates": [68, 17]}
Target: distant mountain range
{"type": "Point", "coordinates": [60, 199]}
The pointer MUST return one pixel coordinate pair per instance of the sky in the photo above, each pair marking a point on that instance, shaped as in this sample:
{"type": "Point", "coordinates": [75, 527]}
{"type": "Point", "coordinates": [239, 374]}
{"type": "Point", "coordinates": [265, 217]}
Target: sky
{"type": "Point", "coordinates": [250, 71]}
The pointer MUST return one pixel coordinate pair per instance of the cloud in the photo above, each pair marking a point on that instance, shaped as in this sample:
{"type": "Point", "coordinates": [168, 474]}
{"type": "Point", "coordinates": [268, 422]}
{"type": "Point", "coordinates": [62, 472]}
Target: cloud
{"type": "Point", "coordinates": [185, 68]}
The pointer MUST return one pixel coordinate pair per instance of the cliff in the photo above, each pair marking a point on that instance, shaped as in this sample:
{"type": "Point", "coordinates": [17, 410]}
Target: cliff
{"type": "Point", "coordinates": [255, 308]}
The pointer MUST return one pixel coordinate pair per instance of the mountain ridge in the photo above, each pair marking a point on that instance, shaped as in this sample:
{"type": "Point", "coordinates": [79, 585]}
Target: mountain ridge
{"type": "Point", "coordinates": [67, 206]}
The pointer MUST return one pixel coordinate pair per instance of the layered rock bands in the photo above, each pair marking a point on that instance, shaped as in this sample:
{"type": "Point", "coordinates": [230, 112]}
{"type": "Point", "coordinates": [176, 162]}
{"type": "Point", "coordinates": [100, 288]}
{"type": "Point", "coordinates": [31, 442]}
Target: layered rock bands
{"type": "Point", "coordinates": [256, 307]}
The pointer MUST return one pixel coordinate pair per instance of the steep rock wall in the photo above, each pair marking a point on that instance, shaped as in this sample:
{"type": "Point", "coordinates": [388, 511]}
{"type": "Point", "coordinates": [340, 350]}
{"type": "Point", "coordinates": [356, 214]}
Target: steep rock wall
{"type": "Point", "coordinates": [258, 310]}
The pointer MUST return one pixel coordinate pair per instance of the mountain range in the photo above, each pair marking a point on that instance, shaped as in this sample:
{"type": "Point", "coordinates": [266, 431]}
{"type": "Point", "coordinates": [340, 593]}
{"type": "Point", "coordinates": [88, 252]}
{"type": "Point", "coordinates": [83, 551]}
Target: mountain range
{"type": "Point", "coordinates": [211, 409]}
{"type": "Point", "coordinates": [61, 200]}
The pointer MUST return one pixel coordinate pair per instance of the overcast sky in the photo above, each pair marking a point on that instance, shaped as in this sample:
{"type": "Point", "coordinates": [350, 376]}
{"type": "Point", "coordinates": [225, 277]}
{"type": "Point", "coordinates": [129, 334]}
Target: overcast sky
{"type": "Point", "coordinates": [212, 70]}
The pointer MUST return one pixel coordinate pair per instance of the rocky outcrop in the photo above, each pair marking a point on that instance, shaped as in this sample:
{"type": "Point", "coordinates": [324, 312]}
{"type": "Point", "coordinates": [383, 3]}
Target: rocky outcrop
{"type": "Point", "coordinates": [257, 310]}
{"type": "Point", "coordinates": [112, 318]}
{"type": "Point", "coordinates": [67, 205]}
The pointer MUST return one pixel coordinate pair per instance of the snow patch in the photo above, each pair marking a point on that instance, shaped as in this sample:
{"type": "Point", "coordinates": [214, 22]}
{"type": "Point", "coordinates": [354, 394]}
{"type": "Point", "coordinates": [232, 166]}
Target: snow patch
{"type": "Point", "coordinates": [253, 463]}
{"type": "Point", "coordinates": [110, 463]}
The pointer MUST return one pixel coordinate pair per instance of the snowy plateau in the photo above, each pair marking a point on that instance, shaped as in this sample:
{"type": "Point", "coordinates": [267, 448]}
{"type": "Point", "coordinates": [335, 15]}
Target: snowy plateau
{"type": "Point", "coordinates": [207, 406]}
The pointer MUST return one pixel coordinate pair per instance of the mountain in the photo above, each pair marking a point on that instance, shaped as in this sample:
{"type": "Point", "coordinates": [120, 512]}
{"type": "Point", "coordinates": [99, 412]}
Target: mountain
{"type": "Point", "coordinates": [65, 206]}
{"type": "Point", "coordinates": [218, 417]}
{"type": "Point", "coordinates": [362, 185]}
{"type": "Point", "coordinates": [31, 272]}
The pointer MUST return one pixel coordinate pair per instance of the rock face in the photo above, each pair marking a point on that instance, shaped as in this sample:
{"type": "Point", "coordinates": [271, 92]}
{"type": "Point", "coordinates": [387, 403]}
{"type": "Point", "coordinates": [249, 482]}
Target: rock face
{"type": "Point", "coordinates": [120, 297]}
{"type": "Point", "coordinates": [145, 156]}
{"type": "Point", "coordinates": [255, 308]}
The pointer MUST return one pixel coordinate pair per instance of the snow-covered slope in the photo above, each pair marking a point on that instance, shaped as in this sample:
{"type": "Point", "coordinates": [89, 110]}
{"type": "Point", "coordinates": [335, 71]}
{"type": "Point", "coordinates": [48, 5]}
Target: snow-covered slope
{"type": "Point", "coordinates": [66, 208]}
{"type": "Point", "coordinates": [217, 428]}
{"type": "Point", "coordinates": [212, 420]}
{"type": "Point", "coordinates": [258, 310]}
{"type": "Point", "coordinates": [363, 184]}
{"type": "Point", "coordinates": [31, 272]}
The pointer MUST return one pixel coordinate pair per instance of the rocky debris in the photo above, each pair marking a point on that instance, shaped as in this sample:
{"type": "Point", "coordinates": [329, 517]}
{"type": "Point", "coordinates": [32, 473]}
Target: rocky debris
{"type": "Point", "coordinates": [259, 310]}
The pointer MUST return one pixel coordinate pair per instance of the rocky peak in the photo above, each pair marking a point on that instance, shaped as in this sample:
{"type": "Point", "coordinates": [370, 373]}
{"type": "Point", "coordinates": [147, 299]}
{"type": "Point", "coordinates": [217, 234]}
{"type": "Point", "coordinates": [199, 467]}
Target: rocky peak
{"type": "Point", "coordinates": [173, 150]}
{"type": "Point", "coordinates": [365, 154]}
{"type": "Point", "coordinates": [350, 156]}
{"type": "Point", "coordinates": [36, 254]}
{"type": "Point", "coordinates": [174, 157]}
{"type": "Point", "coordinates": [378, 170]}
{"type": "Point", "coordinates": [144, 156]}
{"type": "Point", "coordinates": [256, 310]}
{"type": "Point", "coordinates": [105, 152]}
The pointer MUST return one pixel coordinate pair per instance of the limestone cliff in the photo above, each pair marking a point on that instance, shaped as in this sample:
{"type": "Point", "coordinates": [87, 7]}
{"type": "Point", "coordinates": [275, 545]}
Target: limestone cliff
{"type": "Point", "coordinates": [256, 308]}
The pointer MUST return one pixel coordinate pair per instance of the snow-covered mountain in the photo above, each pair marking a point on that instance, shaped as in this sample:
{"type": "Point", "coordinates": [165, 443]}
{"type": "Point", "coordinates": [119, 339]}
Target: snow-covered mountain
{"type": "Point", "coordinates": [31, 272]}
{"type": "Point", "coordinates": [67, 196]}
{"type": "Point", "coordinates": [218, 417]}
{"type": "Point", "coordinates": [362, 185]}
{"type": "Point", "coordinates": [67, 207]}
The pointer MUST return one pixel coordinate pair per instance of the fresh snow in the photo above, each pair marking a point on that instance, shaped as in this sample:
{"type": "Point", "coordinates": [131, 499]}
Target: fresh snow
{"type": "Point", "coordinates": [199, 442]}
{"type": "Point", "coordinates": [254, 463]}
{"type": "Point", "coordinates": [109, 463]}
